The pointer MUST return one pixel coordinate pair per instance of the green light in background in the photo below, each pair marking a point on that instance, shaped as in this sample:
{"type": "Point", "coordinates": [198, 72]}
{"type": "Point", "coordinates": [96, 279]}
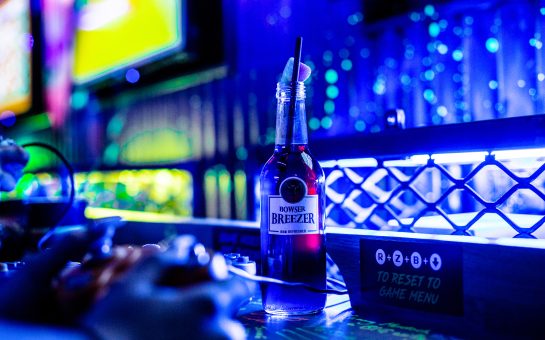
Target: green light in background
{"type": "Point", "coordinates": [39, 159]}
{"type": "Point", "coordinates": [332, 91]}
{"type": "Point", "coordinates": [314, 123]}
{"type": "Point", "coordinates": [346, 64]}
{"type": "Point", "coordinates": [492, 45]}
{"type": "Point", "coordinates": [240, 194]}
{"type": "Point", "coordinates": [156, 146]}
{"type": "Point", "coordinates": [225, 187]}
{"type": "Point", "coordinates": [37, 122]}
{"type": "Point", "coordinates": [329, 106]}
{"type": "Point", "coordinates": [327, 123]}
{"type": "Point", "coordinates": [331, 76]}
{"type": "Point", "coordinates": [211, 193]}
{"type": "Point", "coordinates": [132, 216]}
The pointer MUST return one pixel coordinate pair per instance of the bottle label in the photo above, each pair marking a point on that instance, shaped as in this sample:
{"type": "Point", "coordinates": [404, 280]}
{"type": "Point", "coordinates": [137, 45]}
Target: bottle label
{"type": "Point", "coordinates": [293, 212]}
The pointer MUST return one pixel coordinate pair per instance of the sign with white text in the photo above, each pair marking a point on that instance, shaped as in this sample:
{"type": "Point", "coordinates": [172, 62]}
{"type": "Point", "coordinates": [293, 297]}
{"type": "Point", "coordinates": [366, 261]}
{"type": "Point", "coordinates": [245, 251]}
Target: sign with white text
{"type": "Point", "coordinates": [419, 275]}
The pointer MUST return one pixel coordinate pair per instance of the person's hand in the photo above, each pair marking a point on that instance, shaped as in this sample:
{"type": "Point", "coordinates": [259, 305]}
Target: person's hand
{"type": "Point", "coordinates": [138, 308]}
{"type": "Point", "coordinates": [28, 295]}
{"type": "Point", "coordinates": [13, 159]}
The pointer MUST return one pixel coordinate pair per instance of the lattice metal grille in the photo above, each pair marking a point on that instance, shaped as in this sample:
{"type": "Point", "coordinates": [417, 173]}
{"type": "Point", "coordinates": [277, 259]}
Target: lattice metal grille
{"type": "Point", "coordinates": [487, 194]}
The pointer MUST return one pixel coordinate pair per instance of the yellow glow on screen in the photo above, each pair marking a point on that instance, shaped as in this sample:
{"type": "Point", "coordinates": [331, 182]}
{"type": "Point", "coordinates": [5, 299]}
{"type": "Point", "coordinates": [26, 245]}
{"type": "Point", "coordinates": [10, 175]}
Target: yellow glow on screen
{"type": "Point", "coordinates": [113, 34]}
{"type": "Point", "coordinates": [15, 56]}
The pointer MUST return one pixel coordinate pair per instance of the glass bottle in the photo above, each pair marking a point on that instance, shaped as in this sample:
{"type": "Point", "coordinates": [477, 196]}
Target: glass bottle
{"type": "Point", "coordinates": [292, 214]}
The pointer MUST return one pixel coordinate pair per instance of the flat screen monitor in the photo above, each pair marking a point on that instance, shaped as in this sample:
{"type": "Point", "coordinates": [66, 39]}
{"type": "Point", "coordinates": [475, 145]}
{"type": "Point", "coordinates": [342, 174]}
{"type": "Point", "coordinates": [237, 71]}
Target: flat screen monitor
{"type": "Point", "coordinates": [113, 35]}
{"type": "Point", "coordinates": [15, 56]}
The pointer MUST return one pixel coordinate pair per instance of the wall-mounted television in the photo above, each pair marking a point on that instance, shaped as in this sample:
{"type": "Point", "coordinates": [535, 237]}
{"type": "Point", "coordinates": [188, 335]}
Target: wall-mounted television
{"type": "Point", "coordinates": [15, 56]}
{"type": "Point", "coordinates": [112, 35]}
{"type": "Point", "coordinates": [158, 38]}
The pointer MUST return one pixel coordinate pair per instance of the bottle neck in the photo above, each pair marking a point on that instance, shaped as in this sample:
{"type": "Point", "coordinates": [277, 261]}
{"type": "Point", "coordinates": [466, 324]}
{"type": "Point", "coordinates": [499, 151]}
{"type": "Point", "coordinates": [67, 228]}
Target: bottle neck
{"type": "Point", "coordinates": [297, 123]}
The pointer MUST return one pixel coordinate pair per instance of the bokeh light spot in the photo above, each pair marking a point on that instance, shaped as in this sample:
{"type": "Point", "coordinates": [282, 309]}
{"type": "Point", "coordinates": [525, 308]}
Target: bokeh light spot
{"type": "Point", "coordinates": [331, 76]}
{"type": "Point", "coordinates": [442, 49]}
{"type": "Point", "coordinates": [346, 64]}
{"type": "Point", "coordinates": [493, 84]}
{"type": "Point", "coordinates": [332, 91]}
{"type": "Point", "coordinates": [429, 95]}
{"type": "Point", "coordinates": [457, 55]}
{"type": "Point", "coordinates": [132, 75]}
{"type": "Point", "coordinates": [429, 75]}
{"type": "Point", "coordinates": [327, 122]}
{"type": "Point", "coordinates": [434, 29]}
{"type": "Point", "coordinates": [314, 123]}
{"type": "Point", "coordinates": [492, 45]}
{"type": "Point", "coordinates": [429, 10]}
{"type": "Point", "coordinates": [442, 111]}
{"type": "Point", "coordinates": [329, 106]}
{"type": "Point", "coordinates": [79, 99]}
{"type": "Point", "coordinates": [360, 125]}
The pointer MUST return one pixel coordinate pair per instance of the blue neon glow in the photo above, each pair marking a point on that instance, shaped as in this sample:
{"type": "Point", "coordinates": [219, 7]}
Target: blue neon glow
{"type": "Point", "coordinates": [350, 163]}
{"type": "Point", "coordinates": [459, 157]}
{"type": "Point", "coordinates": [523, 153]}
{"type": "Point", "coordinates": [440, 158]}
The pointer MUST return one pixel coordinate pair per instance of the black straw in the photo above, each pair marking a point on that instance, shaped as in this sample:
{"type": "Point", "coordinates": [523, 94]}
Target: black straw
{"type": "Point", "coordinates": [294, 81]}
